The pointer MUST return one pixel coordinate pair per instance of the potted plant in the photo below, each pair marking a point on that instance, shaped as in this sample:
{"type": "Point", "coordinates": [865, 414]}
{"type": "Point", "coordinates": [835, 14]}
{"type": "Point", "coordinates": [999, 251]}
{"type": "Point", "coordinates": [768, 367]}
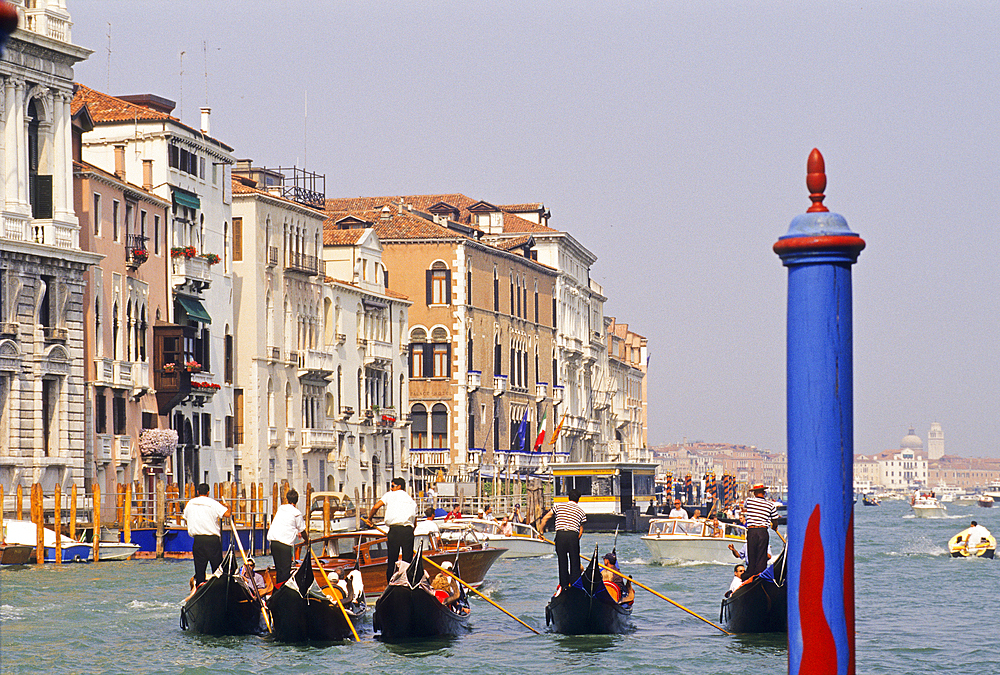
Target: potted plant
{"type": "Point", "coordinates": [192, 366]}
{"type": "Point", "coordinates": [169, 367]}
{"type": "Point", "coordinates": [183, 252]}
{"type": "Point", "coordinates": [157, 442]}
{"type": "Point", "coordinates": [212, 258]}
{"type": "Point", "coordinates": [140, 255]}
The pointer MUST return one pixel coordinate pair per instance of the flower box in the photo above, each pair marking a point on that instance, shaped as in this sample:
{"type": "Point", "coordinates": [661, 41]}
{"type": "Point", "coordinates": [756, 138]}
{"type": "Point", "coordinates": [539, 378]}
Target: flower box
{"type": "Point", "coordinates": [212, 258]}
{"type": "Point", "coordinates": [183, 252]}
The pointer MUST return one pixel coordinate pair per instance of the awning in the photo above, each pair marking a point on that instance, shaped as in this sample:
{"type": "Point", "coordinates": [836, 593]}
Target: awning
{"type": "Point", "coordinates": [194, 308]}
{"type": "Point", "coordinates": [187, 199]}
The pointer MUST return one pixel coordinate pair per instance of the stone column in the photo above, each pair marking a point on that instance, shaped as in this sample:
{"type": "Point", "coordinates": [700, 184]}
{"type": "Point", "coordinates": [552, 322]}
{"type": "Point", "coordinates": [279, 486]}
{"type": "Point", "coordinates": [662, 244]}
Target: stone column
{"type": "Point", "coordinates": [818, 251]}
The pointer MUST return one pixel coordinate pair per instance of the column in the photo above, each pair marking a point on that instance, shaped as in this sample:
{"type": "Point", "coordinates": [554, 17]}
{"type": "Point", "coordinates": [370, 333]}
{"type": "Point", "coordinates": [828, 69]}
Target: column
{"type": "Point", "coordinates": [818, 251]}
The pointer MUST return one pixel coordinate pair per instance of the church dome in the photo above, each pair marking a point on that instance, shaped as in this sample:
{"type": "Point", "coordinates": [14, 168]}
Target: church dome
{"type": "Point", "coordinates": [911, 442]}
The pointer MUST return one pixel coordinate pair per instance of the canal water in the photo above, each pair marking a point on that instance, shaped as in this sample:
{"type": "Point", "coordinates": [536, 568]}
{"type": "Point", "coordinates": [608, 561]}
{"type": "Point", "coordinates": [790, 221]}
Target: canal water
{"type": "Point", "coordinates": [918, 611]}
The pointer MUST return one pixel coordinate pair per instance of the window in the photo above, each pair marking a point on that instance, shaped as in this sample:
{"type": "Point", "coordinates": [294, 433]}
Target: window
{"type": "Point", "coordinates": [100, 411]}
{"type": "Point", "coordinates": [228, 369]}
{"type": "Point", "coordinates": [438, 284]}
{"type": "Point", "coordinates": [238, 421]}
{"type": "Point", "coordinates": [95, 215]}
{"type": "Point", "coordinates": [536, 302]}
{"type": "Point", "coordinates": [206, 429]}
{"type": "Point", "coordinates": [237, 239]}
{"type": "Point", "coordinates": [439, 426]}
{"type": "Point", "coordinates": [496, 290]}
{"type": "Point", "coordinates": [441, 360]}
{"type": "Point", "coordinates": [156, 234]}
{"type": "Point", "coordinates": [118, 413]}
{"type": "Point", "coordinates": [115, 207]}
{"type": "Point", "coordinates": [418, 426]}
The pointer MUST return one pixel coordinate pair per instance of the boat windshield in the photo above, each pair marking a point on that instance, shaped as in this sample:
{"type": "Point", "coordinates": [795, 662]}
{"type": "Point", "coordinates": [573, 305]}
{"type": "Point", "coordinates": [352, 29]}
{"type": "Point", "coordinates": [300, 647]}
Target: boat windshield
{"type": "Point", "coordinates": [524, 530]}
{"type": "Point", "coordinates": [693, 528]}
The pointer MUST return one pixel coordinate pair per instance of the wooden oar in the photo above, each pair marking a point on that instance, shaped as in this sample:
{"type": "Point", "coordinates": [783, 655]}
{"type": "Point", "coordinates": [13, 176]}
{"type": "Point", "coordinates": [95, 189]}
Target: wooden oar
{"type": "Point", "coordinates": [659, 595]}
{"type": "Point", "coordinates": [339, 604]}
{"type": "Point", "coordinates": [453, 576]}
{"type": "Point", "coordinates": [256, 592]}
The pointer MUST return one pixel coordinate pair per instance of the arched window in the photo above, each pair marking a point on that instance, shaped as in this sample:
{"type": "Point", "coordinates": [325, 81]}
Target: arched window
{"type": "Point", "coordinates": [143, 328]}
{"type": "Point", "coordinates": [496, 290]}
{"type": "Point", "coordinates": [439, 284]}
{"type": "Point", "coordinates": [418, 426]}
{"type": "Point", "coordinates": [114, 331]}
{"type": "Point", "coordinates": [270, 402]}
{"type": "Point", "coordinates": [439, 426]}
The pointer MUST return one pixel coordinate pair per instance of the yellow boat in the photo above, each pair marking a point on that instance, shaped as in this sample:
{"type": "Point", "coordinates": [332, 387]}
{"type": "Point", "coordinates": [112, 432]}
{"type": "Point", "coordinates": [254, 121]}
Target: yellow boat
{"type": "Point", "coordinates": [960, 545]}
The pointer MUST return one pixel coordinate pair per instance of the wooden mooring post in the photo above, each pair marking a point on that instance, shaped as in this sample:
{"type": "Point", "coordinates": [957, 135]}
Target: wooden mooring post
{"type": "Point", "coordinates": [97, 522]}
{"type": "Point", "coordinates": [127, 515]}
{"type": "Point", "coordinates": [37, 515]}
{"type": "Point", "coordinates": [72, 512]}
{"type": "Point", "coordinates": [57, 522]}
{"type": "Point", "coordinates": [161, 503]}
{"type": "Point", "coordinates": [19, 502]}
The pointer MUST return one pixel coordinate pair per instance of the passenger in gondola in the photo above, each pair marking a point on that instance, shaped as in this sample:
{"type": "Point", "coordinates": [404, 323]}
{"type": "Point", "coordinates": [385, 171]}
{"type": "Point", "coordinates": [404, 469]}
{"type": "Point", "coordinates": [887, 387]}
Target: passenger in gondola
{"type": "Point", "coordinates": [737, 579]}
{"type": "Point", "coordinates": [617, 585]}
{"type": "Point", "coordinates": [446, 587]}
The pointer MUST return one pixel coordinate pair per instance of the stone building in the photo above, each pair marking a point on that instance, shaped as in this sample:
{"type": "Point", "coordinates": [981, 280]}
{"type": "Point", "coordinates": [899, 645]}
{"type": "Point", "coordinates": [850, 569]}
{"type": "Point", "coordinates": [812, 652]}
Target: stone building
{"type": "Point", "coordinates": [42, 266]}
{"type": "Point", "coordinates": [626, 400]}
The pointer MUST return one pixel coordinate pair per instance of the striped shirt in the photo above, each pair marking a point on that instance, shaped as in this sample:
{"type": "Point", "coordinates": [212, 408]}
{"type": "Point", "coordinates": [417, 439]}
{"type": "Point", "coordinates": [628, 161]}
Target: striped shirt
{"type": "Point", "coordinates": [760, 512]}
{"type": "Point", "coordinates": [569, 516]}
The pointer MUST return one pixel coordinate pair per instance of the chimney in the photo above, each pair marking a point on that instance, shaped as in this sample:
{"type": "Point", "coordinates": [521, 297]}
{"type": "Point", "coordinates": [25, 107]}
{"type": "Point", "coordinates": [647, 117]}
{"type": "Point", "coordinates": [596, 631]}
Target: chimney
{"type": "Point", "coordinates": [120, 161]}
{"type": "Point", "coordinates": [206, 112]}
{"type": "Point", "coordinates": [147, 174]}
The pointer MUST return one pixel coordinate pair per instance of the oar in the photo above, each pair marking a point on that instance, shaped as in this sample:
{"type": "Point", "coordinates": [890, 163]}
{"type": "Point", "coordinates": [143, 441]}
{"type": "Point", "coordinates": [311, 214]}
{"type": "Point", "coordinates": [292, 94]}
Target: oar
{"type": "Point", "coordinates": [339, 603]}
{"type": "Point", "coordinates": [246, 563]}
{"type": "Point", "coordinates": [647, 588]}
{"type": "Point", "coordinates": [428, 560]}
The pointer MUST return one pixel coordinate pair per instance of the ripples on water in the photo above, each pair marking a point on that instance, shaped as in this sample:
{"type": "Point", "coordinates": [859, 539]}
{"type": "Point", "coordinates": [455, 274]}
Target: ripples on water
{"type": "Point", "coordinates": [918, 611]}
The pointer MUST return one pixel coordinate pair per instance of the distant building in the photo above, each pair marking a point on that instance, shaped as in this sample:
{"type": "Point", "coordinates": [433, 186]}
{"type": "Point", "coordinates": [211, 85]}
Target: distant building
{"type": "Point", "coordinates": [935, 442]}
{"type": "Point", "coordinates": [746, 463]}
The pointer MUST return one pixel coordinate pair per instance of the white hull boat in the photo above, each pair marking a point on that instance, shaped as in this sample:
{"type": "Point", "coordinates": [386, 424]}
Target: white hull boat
{"type": "Point", "coordinates": [688, 540]}
{"type": "Point", "coordinates": [523, 542]}
{"type": "Point", "coordinates": [926, 506]}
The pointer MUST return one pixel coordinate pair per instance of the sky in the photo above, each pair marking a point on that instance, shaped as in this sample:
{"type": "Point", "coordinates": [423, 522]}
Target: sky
{"type": "Point", "coordinates": [669, 138]}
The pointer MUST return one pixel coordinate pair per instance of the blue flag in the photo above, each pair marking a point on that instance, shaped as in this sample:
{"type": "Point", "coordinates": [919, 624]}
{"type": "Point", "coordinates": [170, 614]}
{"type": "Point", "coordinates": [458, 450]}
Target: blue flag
{"type": "Point", "coordinates": [522, 431]}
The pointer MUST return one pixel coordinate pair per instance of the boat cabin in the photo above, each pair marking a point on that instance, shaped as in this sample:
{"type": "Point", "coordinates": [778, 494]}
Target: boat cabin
{"type": "Point", "coordinates": [606, 487]}
{"type": "Point", "coordinates": [694, 528]}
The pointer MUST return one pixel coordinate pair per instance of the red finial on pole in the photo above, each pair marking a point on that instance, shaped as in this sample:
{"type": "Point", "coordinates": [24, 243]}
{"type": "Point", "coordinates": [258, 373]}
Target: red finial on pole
{"type": "Point", "coordinates": [816, 181]}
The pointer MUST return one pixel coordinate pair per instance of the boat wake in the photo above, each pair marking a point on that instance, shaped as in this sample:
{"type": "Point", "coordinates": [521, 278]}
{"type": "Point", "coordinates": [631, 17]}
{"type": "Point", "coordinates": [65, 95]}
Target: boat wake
{"type": "Point", "coordinates": [8, 613]}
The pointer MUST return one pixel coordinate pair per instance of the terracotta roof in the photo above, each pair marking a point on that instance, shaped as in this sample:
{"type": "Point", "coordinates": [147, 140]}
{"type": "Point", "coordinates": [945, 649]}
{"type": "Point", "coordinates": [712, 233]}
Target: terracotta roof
{"type": "Point", "coordinates": [515, 242]}
{"type": "Point", "coordinates": [90, 168]}
{"type": "Point", "coordinates": [521, 208]}
{"type": "Point", "coordinates": [107, 109]}
{"type": "Point", "coordinates": [396, 226]}
{"type": "Point", "coordinates": [335, 237]}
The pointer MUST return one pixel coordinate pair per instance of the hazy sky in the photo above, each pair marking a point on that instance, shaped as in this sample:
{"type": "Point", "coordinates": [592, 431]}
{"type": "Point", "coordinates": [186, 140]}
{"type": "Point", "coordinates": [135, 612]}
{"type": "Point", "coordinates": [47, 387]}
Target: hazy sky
{"type": "Point", "coordinates": [671, 139]}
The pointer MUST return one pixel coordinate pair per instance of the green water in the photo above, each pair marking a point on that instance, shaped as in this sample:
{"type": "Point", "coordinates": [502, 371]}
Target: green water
{"type": "Point", "coordinates": [918, 611]}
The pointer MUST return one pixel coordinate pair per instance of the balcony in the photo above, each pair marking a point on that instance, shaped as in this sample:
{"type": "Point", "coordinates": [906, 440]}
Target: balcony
{"type": "Point", "coordinates": [8, 329]}
{"type": "Point", "coordinates": [346, 412]}
{"type": "Point", "coordinates": [123, 374]}
{"type": "Point", "coordinates": [273, 354]}
{"type": "Point", "coordinates": [201, 393]}
{"type": "Point", "coordinates": [377, 352]}
{"type": "Point", "coordinates": [189, 273]}
{"type": "Point", "coordinates": [103, 449]}
{"type": "Point", "coordinates": [319, 439]}
{"type": "Point", "coordinates": [124, 449]}
{"type": "Point", "coordinates": [291, 438]}
{"type": "Point", "coordinates": [541, 390]}
{"type": "Point", "coordinates": [430, 457]}
{"type": "Point", "coordinates": [385, 420]}
{"type": "Point", "coordinates": [104, 372]}
{"type": "Point", "coordinates": [368, 416]}
{"type": "Point", "coordinates": [272, 437]}
{"type": "Point", "coordinates": [293, 357]}
{"type": "Point", "coordinates": [48, 20]}
{"type": "Point", "coordinates": [473, 380]}
{"type": "Point", "coordinates": [171, 380]}
{"type": "Point", "coordinates": [47, 232]}
{"type": "Point", "coordinates": [272, 256]}
{"type": "Point", "coordinates": [136, 252]}
{"type": "Point", "coordinates": [52, 334]}
{"type": "Point", "coordinates": [499, 384]}
{"type": "Point", "coordinates": [557, 393]}
{"type": "Point", "coordinates": [300, 262]}
{"type": "Point", "coordinates": [315, 365]}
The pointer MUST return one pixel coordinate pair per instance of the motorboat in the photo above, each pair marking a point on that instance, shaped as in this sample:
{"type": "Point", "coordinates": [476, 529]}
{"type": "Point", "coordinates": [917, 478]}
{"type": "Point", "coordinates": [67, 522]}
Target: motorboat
{"type": "Point", "coordinates": [337, 508]}
{"type": "Point", "coordinates": [871, 500]}
{"type": "Point", "coordinates": [25, 532]}
{"type": "Point", "coordinates": [690, 540]}
{"type": "Point", "coordinates": [926, 505]}
{"type": "Point", "coordinates": [16, 554]}
{"type": "Point", "coordinates": [985, 501]}
{"type": "Point", "coordinates": [973, 542]}
{"type": "Point", "coordinates": [524, 541]}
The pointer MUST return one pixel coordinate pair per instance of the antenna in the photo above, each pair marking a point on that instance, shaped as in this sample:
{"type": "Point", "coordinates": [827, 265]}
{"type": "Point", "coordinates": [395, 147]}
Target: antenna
{"type": "Point", "coordinates": [181, 106]}
{"type": "Point", "coordinates": [305, 129]}
{"type": "Point", "coordinates": [204, 51]}
{"type": "Point", "coordinates": [109, 56]}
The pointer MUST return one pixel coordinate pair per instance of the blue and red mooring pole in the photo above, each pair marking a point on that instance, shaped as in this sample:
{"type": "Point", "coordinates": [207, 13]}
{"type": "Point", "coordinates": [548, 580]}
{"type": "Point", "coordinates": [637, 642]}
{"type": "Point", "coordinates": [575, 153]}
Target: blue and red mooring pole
{"type": "Point", "coordinates": [819, 250]}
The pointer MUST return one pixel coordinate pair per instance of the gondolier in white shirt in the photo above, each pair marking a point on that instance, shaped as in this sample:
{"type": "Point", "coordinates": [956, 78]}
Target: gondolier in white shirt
{"type": "Point", "coordinates": [761, 513]}
{"type": "Point", "coordinates": [202, 516]}
{"type": "Point", "coordinates": [286, 526]}
{"type": "Point", "coordinates": [400, 512]}
{"type": "Point", "coordinates": [569, 529]}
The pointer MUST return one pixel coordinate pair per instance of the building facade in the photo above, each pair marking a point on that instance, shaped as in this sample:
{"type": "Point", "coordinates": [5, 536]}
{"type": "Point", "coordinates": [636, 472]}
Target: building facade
{"type": "Point", "coordinates": [42, 265]}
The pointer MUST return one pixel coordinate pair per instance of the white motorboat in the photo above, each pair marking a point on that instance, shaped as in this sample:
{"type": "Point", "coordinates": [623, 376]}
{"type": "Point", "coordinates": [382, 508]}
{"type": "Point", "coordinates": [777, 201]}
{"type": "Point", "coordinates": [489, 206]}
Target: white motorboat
{"type": "Point", "coordinates": [26, 532]}
{"type": "Point", "coordinates": [523, 542]}
{"type": "Point", "coordinates": [986, 501]}
{"type": "Point", "coordinates": [926, 505]}
{"type": "Point", "coordinates": [689, 540]}
{"type": "Point", "coordinates": [343, 513]}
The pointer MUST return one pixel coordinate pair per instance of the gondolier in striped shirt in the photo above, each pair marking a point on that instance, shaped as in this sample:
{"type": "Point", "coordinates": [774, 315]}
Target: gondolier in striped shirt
{"type": "Point", "coordinates": [569, 528]}
{"type": "Point", "coordinates": [400, 514]}
{"type": "Point", "coordinates": [761, 513]}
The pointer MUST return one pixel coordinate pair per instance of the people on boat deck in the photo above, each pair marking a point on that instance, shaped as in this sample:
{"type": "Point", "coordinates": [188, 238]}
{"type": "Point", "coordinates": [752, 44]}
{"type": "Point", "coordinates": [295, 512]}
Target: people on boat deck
{"type": "Point", "coordinates": [202, 516]}
{"type": "Point", "coordinates": [651, 509]}
{"type": "Point", "coordinates": [454, 514]}
{"type": "Point", "coordinates": [569, 529]}
{"type": "Point", "coordinates": [488, 513]}
{"type": "Point", "coordinates": [737, 580]}
{"type": "Point", "coordinates": [677, 511]}
{"type": "Point", "coordinates": [286, 526]}
{"type": "Point", "coordinates": [761, 513]}
{"type": "Point", "coordinates": [506, 529]}
{"type": "Point", "coordinates": [400, 512]}
{"type": "Point", "coordinates": [427, 527]}
{"type": "Point", "coordinates": [977, 533]}
{"type": "Point", "coordinates": [697, 514]}
{"type": "Point", "coordinates": [716, 528]}
{"type": "Point", "coordinates": [431, 497]}
{"type": "Point", "coordinates": [518, 518]}
{"type": "Point", "coordinates": [446, 587]}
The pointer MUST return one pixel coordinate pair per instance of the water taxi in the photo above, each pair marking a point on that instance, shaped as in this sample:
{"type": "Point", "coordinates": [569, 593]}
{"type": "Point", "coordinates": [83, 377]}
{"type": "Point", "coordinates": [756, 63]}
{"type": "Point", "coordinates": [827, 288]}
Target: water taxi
{"type": "Point", "coordinates": [611, 492]}
{"type": "Point", "coordinates": [926, 505]}
{"type": "Point", "coordinates": [524, 541]}
{"type": "Point", "coordinates": [689, 540]}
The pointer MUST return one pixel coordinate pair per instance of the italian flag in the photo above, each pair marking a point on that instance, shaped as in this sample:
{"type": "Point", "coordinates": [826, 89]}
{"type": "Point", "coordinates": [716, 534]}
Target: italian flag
{"type": "Point", "coordinates": [541, 432]}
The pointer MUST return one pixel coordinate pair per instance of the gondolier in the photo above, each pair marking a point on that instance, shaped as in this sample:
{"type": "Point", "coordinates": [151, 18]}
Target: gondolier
{"type": "Point", "coordinates": [761, 513]}
{"type": "Point", "coordinates": [569, 528]}
{"type": "Point", "coordinates": [286, 525]}
{"type": "Point", "coordinates": [202, 516]}
{"type": "Point", "coordinates": [400, 512]}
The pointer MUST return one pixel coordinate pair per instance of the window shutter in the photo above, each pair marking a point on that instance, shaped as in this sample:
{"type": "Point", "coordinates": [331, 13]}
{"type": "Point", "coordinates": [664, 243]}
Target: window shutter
{"type": "Point", "coordinates": [42, 202]}
{"type": "Point", "coordinates": [447, 363]}
{"type": "Point", "coordinates": [428, 359]}
{"type": "Point", "coordinates": [410, 361]}
{"type": "Point", "coordinates": [237, 239]}
{"type": "Point", "coordinates": [447, 287]}
{"type": "Point", "coordinates": [430, 290]}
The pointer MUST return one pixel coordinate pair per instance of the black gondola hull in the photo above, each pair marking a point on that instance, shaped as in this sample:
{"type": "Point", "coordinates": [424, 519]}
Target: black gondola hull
{"type": "Point", "coordinates": [575, 612]}
{"type": "Point", "coordinates": [314, 618]}
{"type": "Point", "coordinates": [760, 606]}
{"type": "Point", "coordinates": [223, 605]}
{"type": "Point", "coordinates": [403, 613]}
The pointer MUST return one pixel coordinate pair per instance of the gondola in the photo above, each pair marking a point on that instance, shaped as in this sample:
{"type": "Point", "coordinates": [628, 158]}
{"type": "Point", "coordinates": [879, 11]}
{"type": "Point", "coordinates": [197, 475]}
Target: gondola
{"type": "Point", "coordinates": [302, 612]}
{"type": "Point", "coordinates": [587, 606]}
{"type": "Point", "coordinates": [408, 607]}
{"type": "Point", "coordinates": [226, 604]}
{"type": "Point", "coordinates": [760, 605]}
